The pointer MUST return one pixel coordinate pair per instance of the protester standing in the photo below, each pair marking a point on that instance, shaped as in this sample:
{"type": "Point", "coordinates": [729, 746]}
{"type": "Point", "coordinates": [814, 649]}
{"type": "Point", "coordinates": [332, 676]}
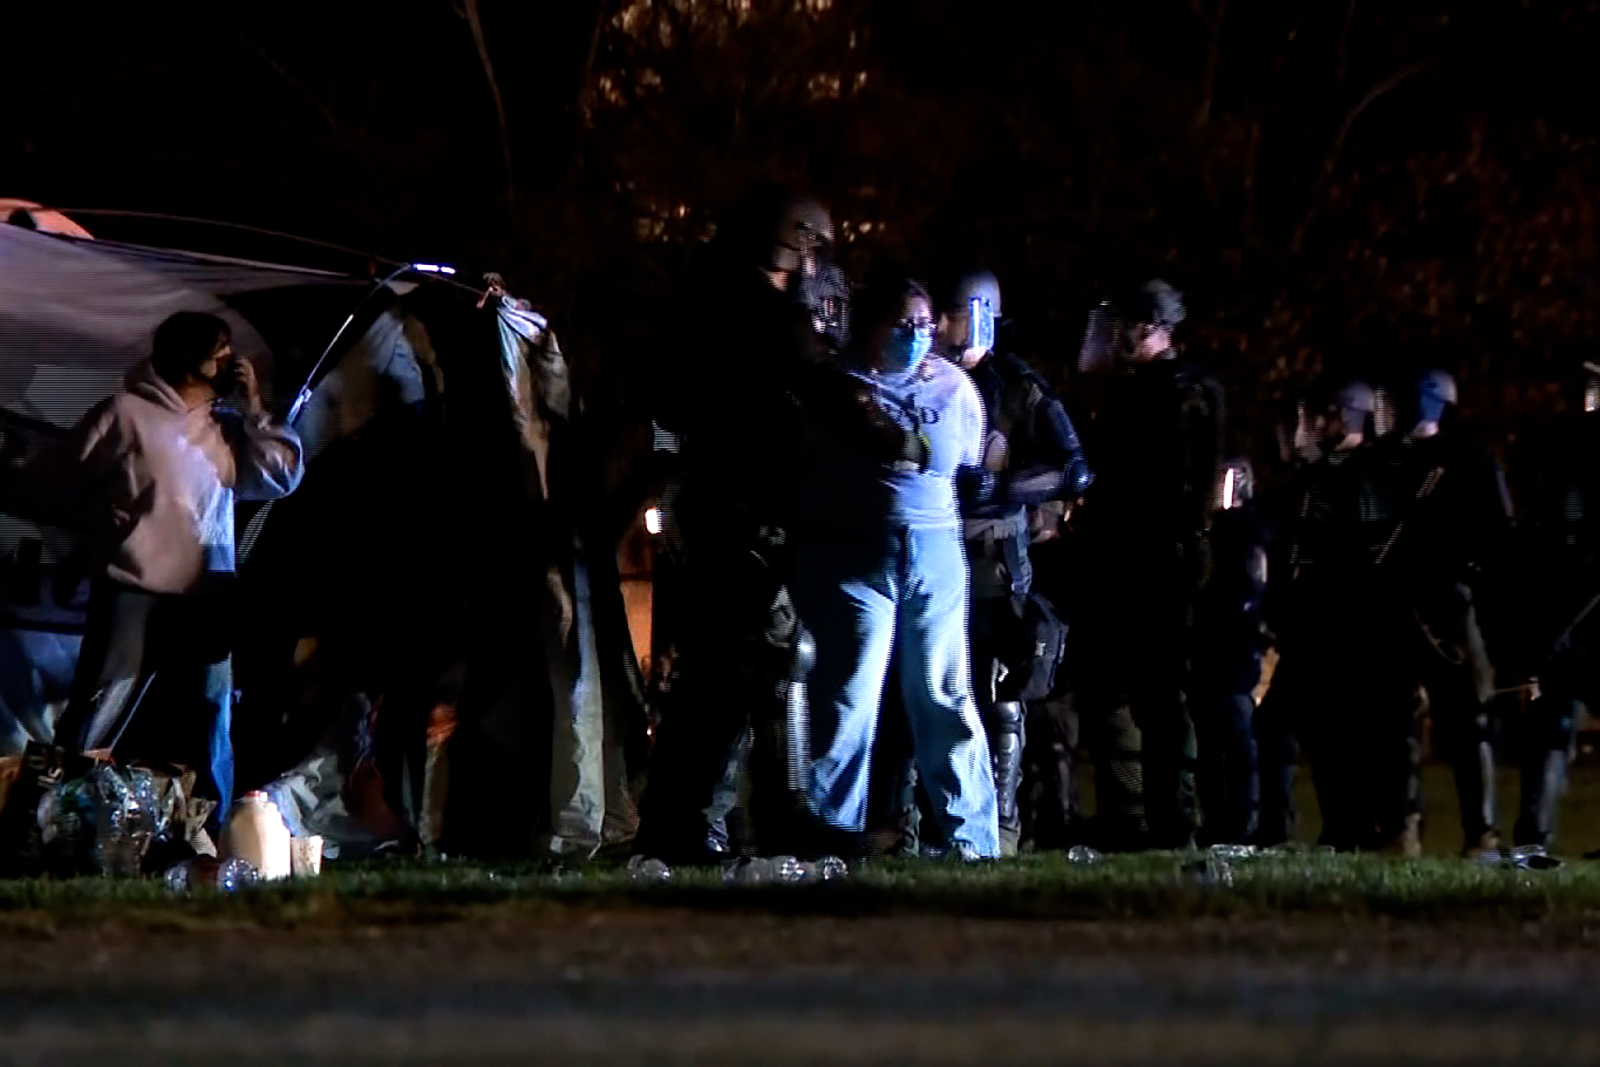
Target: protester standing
{"type": "Point", "coordinates": [879, 570]}
{"type": "Point", "coordinates": [149, 478]}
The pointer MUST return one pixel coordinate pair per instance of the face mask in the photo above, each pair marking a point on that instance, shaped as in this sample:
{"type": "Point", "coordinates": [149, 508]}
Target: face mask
{"type": "Point", "coordinates": [906, 350]}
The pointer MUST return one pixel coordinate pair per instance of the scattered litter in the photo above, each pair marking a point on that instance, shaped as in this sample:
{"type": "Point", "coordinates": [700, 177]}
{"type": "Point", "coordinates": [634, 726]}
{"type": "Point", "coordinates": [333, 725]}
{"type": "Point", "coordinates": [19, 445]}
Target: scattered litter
{"type": "Point", "coordinates": [1523, 857]}
{"type": "Point", "coordinates": [1083, 855]}
{"type": "Point", "coordinates": [643, 871]}
{"type": "Point", "coordinates": [827, 869]}
{"type": "Point", "coordinates": [1234, 852]}
{"type": "Point", "coordinates": [229, 876]}
{"type": "Point", "coordinates": [783, 870]}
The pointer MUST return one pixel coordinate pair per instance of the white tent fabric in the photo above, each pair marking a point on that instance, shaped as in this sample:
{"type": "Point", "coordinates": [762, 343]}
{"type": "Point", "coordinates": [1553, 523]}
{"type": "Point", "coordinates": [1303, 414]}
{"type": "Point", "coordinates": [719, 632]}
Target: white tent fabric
{"type": "Point", "coordinates": [75, 315]}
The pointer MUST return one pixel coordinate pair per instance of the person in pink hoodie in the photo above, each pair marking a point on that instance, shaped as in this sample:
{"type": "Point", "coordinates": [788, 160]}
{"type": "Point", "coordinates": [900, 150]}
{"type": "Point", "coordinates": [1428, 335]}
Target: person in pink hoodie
{"type": "Point", "coordinates": [149, 478]}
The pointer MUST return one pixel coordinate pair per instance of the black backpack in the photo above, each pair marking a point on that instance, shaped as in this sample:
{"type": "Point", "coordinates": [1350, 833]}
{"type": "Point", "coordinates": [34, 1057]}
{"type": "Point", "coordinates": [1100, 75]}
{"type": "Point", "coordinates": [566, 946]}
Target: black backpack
{"type": "Point", "coordinates": [1042, 644]}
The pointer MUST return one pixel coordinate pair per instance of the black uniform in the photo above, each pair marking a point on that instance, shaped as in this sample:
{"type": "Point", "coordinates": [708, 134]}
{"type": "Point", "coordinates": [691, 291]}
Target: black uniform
{"type": "Point", "coordinates": [1157, 443]}
{"type": "Point", "coordinates": [1560, 554]}
{"type": "Point", "coordinates": [1344, 684]}
{"type": "Point", "coordinates": [732, 418]}
{"type": "Point", "coordinates": [1032, 455]}
{"type": "Point", "coordinates": [1453, 520]}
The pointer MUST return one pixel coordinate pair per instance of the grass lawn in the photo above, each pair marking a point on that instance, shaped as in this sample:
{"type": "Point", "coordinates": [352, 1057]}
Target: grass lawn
{"type": "Point", "coordinates": [1160, 886]}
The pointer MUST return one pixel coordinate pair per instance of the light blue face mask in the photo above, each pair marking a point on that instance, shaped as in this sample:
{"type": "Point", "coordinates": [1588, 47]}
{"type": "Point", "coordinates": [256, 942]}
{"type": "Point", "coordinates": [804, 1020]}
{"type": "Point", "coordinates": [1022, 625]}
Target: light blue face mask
{"type": "Point", "coordinates": [906, 350]}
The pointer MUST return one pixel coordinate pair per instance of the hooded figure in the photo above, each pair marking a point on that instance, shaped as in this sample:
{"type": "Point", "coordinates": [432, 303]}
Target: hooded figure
{"type": "Point", "coordinates": [149, 478]}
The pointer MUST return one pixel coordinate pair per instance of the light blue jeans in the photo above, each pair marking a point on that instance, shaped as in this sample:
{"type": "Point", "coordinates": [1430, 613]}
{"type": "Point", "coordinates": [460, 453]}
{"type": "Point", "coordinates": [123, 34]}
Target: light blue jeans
{"type": "Point", "coordinates": [903, 591]}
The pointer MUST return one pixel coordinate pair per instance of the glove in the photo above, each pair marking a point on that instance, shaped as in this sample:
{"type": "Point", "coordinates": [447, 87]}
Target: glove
{"type": "Point", "coordinates": [901, 449]}
{"type": "Point", "coordinates": [975, 486]}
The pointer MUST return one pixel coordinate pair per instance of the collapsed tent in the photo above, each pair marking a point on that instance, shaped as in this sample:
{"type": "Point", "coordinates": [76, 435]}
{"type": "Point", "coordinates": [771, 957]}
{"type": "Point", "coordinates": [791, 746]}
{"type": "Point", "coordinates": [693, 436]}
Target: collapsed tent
{"type": "Point", "coordinates": [407, 576]}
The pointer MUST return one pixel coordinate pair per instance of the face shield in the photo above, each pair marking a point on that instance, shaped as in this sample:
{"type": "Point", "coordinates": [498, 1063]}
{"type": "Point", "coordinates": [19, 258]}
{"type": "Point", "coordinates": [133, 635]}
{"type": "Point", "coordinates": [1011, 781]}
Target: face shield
{"type": "Point", "coordinates": [1235, 485]}
{"type": "Point", "coordinates": [1383, 413]}
{"type": "Point", "coordinates": [980, 324]}
{"type": "Point", "coordinates": [1102, 340]}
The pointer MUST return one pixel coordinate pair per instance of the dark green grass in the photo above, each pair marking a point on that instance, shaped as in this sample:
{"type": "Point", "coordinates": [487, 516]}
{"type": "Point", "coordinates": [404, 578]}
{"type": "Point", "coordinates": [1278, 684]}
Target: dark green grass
{"type": "Point", "coordinates": [1155, 886]}
{"type": "Point", "coordinates": [1307, 883]}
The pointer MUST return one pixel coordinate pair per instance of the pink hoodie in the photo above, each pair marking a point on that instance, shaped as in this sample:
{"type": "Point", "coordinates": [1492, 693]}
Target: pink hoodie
{"type": "Point", "coordinates": [159, 480]}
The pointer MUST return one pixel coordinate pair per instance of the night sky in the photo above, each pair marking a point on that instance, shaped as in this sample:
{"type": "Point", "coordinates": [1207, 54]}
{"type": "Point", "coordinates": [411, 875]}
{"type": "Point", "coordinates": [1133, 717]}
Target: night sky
{"type": "Point", "coordinates": [1334, 183]}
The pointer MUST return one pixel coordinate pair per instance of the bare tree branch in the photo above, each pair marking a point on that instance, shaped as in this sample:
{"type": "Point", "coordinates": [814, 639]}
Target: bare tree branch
{"type": "Point", "coordinates": [469, 9]}
{"type": "Point", "coordinates": [1342, 67]}
{"type": "Point", "coordinates": [1331, 162]}
{"type": "Point", "coordinates": [301, 88]}
{"type": "Point", "coordinates": [1208, 80]}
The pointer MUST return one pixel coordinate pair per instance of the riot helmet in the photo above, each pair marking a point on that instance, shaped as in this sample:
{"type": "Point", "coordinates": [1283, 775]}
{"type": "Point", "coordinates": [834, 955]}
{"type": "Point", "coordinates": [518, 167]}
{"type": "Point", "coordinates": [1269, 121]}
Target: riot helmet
{"type": "Point", "coordinates": [1340, 413]}
{"type": "Point", "coordinates": [802, 235]}
{"type": "Point", "coordinates": [800, 250]}
{"type": "Point", "coordinates": [1155, 303]}
{"type": "Point", "coordinates": [970, 317]}
{"type": "Point", "coordinates": [1428, 395]}
{"type": "Point", "coordinates": [1136, 325]}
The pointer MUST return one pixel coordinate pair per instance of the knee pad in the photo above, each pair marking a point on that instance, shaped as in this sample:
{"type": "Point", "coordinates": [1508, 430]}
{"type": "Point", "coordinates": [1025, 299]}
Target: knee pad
{"type": "Point", "coordinates": [803, 655]}
{"type": "Point", "coordinates": [1008, 717]}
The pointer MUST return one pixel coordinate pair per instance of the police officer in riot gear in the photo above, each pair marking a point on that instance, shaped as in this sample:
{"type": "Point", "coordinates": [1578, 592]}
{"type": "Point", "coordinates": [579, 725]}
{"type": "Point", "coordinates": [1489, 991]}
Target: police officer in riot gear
{"type": "Point", "coordinates": [1031, 455]}
{"type": "Point", "coordinates": [1452, 528]}
{"type": "Point", "coordinates": [1344, 684]}
{"type": "Point", "coordinates": [1229, 642]}
{"type": "Point", "coordinates": [1157, 441]}
{"type": "Point", "coordinates": [734, 405]}
{"type": "Point", "coordinates": [1561, 555]}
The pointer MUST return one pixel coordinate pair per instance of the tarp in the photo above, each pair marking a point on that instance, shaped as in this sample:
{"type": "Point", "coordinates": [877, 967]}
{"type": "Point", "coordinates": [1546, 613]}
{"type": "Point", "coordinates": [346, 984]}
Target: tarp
{"type": "Point", "coordinates": [75, 315]}
{"type": "Point", "coordinates": [40, 218]}
{"type": "Point", "coordinates": [407, 574]}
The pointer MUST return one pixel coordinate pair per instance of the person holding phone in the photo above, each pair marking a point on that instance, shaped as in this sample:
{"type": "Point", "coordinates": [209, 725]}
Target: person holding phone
{"type": "Point", "coordinates": [148, 478]}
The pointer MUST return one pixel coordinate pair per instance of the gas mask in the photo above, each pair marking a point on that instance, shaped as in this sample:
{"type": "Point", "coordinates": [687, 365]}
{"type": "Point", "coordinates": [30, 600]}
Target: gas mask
{"type": "Point", "coordinates": [825, 292]}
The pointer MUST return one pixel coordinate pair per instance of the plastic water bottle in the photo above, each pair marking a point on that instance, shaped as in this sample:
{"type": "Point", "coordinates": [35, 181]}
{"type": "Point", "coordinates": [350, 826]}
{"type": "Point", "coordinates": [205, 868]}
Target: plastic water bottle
{"type": "Point", "coordinates": [642, 871]}
{"type": "Point", "coordinates": [235, 874]}
{"type": "Point", "coordinates": [762, 870]}
{"type": "Point", "coordinates": [1234, 852]}
{"type": "Point", "coordinates": [827, 869]}
{"type": "Point", "coordinates": [202, 872]}
{"type": "Point", "coordinates": [1083, 856]}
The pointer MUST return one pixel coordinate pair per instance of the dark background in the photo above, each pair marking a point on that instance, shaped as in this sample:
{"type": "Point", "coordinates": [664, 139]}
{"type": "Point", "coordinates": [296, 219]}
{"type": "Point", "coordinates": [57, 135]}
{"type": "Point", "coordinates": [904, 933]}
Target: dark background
{"type": "Point", "coordinates": [1332, 182]}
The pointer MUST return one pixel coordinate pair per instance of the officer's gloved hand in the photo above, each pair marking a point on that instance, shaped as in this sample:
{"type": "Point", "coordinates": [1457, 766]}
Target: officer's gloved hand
{"type": "Point", "coordinates": [976, 486]}
{"type": "Point", "coordinates": [900, 448]}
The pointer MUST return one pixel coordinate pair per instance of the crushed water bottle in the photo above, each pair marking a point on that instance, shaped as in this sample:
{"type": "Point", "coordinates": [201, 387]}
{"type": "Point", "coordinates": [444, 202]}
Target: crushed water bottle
{"type": "Point", "coordinates": [1083, 856]}
{"type": "Point", "coordinates": [1234, 852]}
{"type": "Point", "coordinates": [207, 872]}
{"type": "Point", "coordinates": [827, 869]}
{"type": "Point", "coordinates": [119, 836]}
{"type": "Point", "coordinates": [642, 871]}
{"type": "Point", "coordinates": [763, 870]}
{"type": "Point", "coordinates": [236, 874]}
{"type": "Point", "coordinates": [1523, 857]}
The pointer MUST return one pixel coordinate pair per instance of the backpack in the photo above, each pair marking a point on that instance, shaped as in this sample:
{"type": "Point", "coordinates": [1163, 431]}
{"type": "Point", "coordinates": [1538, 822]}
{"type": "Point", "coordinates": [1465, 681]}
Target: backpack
{"type": "Point", "coordinates": [1041, 646]}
